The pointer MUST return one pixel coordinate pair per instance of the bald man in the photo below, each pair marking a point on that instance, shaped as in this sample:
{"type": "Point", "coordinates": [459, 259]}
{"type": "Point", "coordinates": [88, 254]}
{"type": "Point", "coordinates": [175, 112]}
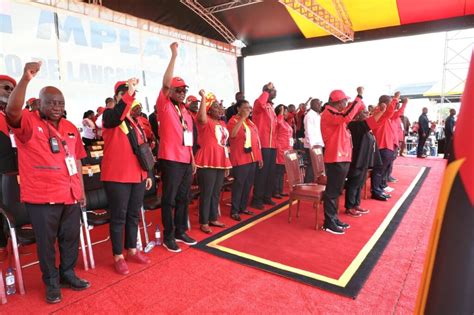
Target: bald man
{"type": "Point", "coordinates": [49, 154]}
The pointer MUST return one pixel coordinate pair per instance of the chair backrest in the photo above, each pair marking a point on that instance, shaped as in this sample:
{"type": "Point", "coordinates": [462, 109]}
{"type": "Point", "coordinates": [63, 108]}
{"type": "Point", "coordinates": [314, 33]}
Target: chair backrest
{"type": "Point", "coordinates": [292, 167]}
{"type": "Point", "coordinates": [153, 189]}
{"type": "Point", "coordinates": [91, 177]}
{"type": "Point", "coordinates": [96, 199]}
{"type": "Point", "coordinates": [317, 160]}
{"type": "Point", "coordinates": [11, 201]}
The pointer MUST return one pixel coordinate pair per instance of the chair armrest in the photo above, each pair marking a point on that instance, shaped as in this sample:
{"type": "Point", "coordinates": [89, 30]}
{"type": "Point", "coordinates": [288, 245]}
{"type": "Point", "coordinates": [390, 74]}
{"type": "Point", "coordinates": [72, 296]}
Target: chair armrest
{"type": "Point", "coordinates": [8, 217]}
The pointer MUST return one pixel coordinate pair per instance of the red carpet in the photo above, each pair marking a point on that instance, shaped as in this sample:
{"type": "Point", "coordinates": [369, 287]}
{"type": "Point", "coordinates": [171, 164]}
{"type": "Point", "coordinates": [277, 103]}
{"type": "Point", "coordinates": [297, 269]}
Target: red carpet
{"type": "Point", "coordinates": [337, 263]}
{"type": "Point", "coordinates": [194, 281]}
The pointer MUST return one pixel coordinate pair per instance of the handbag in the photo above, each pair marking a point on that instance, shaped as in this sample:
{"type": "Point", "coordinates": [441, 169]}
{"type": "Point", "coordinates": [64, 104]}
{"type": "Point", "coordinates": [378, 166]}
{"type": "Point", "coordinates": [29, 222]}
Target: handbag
{"type": "Point", "coordinates": [142, 151]}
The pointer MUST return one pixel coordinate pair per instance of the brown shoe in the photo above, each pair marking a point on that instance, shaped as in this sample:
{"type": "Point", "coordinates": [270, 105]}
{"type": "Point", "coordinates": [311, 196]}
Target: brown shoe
{"type": "Point", "coordinates": [205, 228]}
{"type": "Point", "coordinates": [362, 210]}
{"type": "Point", "coordinates": [353, 213]}
{"type": "Point", "coordinates": [217, 224]}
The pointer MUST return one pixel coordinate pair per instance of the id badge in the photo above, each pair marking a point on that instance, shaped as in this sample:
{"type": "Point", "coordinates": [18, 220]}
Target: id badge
{"type": "Point", "coordinates": [71, 165]}
{"type": "Point", "coordinates": [292, 142]}
{"type": "Point", "coordinates": [226, 150]}
{"type": "Point", "coordinates": [12, 139]}
{"type": "Point", "coordinates": [188, 138]}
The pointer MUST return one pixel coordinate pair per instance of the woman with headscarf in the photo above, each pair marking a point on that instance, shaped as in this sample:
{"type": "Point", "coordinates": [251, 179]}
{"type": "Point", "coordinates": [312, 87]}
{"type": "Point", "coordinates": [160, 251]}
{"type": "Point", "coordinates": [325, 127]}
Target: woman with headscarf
{"type": "Point", "coordinates": [212, 160]}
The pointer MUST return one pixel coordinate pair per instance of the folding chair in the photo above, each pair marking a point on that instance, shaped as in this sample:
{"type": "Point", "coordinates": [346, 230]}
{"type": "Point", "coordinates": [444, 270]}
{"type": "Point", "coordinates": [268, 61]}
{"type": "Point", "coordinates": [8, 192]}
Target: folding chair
{"type": "Point", "coordinates": [151, 201]}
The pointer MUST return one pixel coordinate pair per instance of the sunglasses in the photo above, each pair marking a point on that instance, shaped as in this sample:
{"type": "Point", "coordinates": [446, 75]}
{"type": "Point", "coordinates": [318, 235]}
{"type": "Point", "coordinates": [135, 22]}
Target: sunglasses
{"type": "Point", "coordinates": [7, 88]}
{"type": "Point", "coordinates": [181, 90]}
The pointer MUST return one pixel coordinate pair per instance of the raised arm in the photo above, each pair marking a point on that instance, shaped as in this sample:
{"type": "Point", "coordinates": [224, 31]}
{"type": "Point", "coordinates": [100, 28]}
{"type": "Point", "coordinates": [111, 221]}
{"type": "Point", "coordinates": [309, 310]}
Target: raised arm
{"type": "Point", "coordinates": [168, 76]}
{"type": "Point", "coordinates": [113, 117]}
{"type": "Point", "coordinates": [17, 98]}
{"type": "Point", "coordinates": [401, 111]}
{"type": "Point", "coordinates": [261, 102]}
{"type": "Point", "coordinates": [202, 115]}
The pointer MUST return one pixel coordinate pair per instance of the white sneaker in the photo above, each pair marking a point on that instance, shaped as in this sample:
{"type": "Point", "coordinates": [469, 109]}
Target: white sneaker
{"type": "Point", "coordinates": [389, 189]}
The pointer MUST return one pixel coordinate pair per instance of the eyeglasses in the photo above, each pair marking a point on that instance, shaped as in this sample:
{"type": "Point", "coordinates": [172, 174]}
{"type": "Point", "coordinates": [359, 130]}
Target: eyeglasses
{"type": "Point", "coordinates": [181, 90]}
{"type": "Point", "coordinates": [7, 88]}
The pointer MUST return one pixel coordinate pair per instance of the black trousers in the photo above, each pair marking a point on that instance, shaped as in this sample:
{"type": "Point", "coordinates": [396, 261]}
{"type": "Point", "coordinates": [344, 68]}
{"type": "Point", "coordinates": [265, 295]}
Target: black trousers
{"type": "Point", "coordinates": [421, 145]}
{"type": "Point", "coordinates": [336, 175]}
{"type": "Point", "coordinates": [448, 147]}
{"type": "Point", "coordinates": [308, 176]}
{"type": "Point", "coordinates": [379, 173]}
{"type": "Point", "coordinates": [50, 222]}
{"type": "Point", "coordinates": [177, 179]}
{"type": "Point", "coordinates": [265, 177]}
{"type": "Point", "coordinates": [244, 176]}
{"type": "Point", "coordinates": [390, 166]}
{"type": "Point", "coordinates": [355, 181]}
{"type": "Point", "coordinates": [210, 182]}
{"type": "Point", "coordinates": [280, 174]}
{"type": "Point", "coordinates": [3, 236]}
{"type": "Point", "coordinates": [125, 201]}
{"type": "Point", "coordinates": [88, 142]}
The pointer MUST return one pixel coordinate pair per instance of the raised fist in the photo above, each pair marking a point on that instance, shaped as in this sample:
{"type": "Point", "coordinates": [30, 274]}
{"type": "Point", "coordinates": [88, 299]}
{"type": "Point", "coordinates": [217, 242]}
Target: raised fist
{"type": "Point", "coordinates": [405, 100]}
{"type": "Point", "coordinates": [202, 93]}
{"type": "Point", "coordinates": [132, 85]}
{"type": "Point", "coordinates": [360, 90]}
{"type": "Point", "coordinates": [174, 48]}
{"type": "Point", "coordinates": [270, 86]}
{"type": "Point", "coordinates": [31, 69]}
{"type": "Point", "coordinates": [397, 94]}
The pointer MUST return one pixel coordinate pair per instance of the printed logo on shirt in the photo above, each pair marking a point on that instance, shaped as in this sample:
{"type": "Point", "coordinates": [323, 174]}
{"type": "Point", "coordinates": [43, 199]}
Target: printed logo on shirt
{"type": "Point", "coordinates": [40, 129]}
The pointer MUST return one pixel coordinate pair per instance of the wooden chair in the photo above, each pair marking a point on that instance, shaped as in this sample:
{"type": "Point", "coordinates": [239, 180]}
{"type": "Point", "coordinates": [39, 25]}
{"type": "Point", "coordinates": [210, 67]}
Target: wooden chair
{"type": "Point", "coordinates": [366, 187]}
{"type": "Point", "coordinates": [298, 189]}
{"type": "Point", "coordinates": [317, 163]}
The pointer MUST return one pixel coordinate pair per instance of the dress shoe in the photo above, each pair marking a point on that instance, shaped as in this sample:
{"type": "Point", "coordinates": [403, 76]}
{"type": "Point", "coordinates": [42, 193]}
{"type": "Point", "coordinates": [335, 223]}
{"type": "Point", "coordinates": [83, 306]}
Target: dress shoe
{"type": "Point", "coordinates": [236, 217]}
{"type": "Point", "coordinates": [247, 212]}
{"type": "Point", "coordinates": [257, 206]}
{"type": "Point", "coordinates": [269, 202]}
{"type": "Point", "coordinates": [205, 228]}
{"type": "Point", "coordinates": [121, 267]}
{"type": "Point", "coordinates": [138, 258]}
{"type": "Point", "coordinates": [284, 195]}
{"type": "Point", "coordinates": [277, 196]}
{"type": "Point", "coordinates": [361, 210]}
{"type": "Point", "coordinates": [74, 283]}
{"type": "Point", "coordinates": [379, 197]}
{"type": "Point", "coordinates": [217, 224]}
{"type": "Point", "coordinates": [353, 213]}
{"type": "Point", "coordinates": [53, 295]}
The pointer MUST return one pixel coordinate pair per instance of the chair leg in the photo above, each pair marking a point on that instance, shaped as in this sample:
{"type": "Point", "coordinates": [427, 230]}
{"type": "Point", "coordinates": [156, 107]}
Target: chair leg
{"type": "Point", "coordinates": [88, 239]}
{"type": "Point", "coordinates": [139, 241]}
{"type": "Point", "coordinates": [298, 209]}
{"type": "Point", "coordinates": [3, 295]}
{"type": "Point", "coordinates": [289, 210]}
{"type": "Point", "coordinates": [317, 211]}
{"type": "Point", "coordinates": [83, 249]}
{"type": "Point", "coordinates": [16, 255]}
{"type": "Point", "coordinates": [145, 229]}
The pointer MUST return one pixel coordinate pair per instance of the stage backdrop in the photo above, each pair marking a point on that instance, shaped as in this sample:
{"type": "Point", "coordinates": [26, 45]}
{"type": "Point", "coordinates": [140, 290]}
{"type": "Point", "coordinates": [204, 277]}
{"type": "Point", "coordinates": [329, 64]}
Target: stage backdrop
{"type": "Point", "coordinates": [85, 56]}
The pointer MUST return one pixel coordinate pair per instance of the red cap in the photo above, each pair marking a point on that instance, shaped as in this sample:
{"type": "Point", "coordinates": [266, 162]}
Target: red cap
{"type": "Point", "coordinates": [118, 84]}
{"type": "Point", "coordinates": [30, 101]}
{"type": "Point", "coordinates": [7, 78]}
{"type": "Point", "coordinates": [177, 82]}
{"type": "Point", "coordinates": [337, 95]}
{"type": "Point", "coordinates": [191, 98]}
{"type": "Point", "coordinates": [100, 109]}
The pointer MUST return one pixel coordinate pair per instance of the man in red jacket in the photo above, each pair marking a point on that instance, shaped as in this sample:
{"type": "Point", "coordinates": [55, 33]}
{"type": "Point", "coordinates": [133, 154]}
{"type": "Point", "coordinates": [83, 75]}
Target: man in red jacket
{"type": "Point", "coordinates": [338, 153]}
{"type": "Point", "coordinates": [265, 119]}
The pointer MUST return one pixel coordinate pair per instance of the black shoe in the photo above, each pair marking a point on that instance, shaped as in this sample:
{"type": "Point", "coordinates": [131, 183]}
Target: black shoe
{"type": "Point", "coordinates": [392, 179]}
{"type": "Point", "coordinates": [53, 295]}
{"type": "Point", "coordinates": [74, 283]}
{"type": "Point", "coordinates": [247, 212]}
{"type": "Point", "coordinates": [332, 228]}
{"type": "Point", "coordinates": [277, 196]}
{"type": "Point", "coordinates": [342, 225]}
{"type": "Point", "coordinates": [236, 217]}
{"type": "Point", "coordinates": [386, 195]}
{"type": "Point", "coordinates": [171, 246]}
{"type": "Point", "coordinates": [269, 202]}
{"type": "Point", "coordinates": [257, 206]}
{"type": "Point", "coordinates": [184, 238]}
{"type": "Point", "coordinates": [379, 197]}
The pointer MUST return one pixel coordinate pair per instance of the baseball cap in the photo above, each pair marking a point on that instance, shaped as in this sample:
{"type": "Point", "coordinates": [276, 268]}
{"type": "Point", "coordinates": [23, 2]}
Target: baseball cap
{"type": "Point", "coordinates": [177, 82]}
{"type": "Point", "coordinates": [337, 95]}
{"type": "Point", "coordinates": [7, 78]}
{"type": "Point", "coordinates": [118, 85]}
{"type": "Point", "coordinates": [191, 98]}
{"type": "Point", "coordinates": [100, 109]}
{"type": "Point", "coordinates": [30, 101]}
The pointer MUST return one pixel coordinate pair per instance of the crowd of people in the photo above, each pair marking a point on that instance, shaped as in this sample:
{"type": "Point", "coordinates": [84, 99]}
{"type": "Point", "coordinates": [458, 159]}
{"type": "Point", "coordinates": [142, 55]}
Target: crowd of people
{"type": "Point", "coordinates": [188, 139]}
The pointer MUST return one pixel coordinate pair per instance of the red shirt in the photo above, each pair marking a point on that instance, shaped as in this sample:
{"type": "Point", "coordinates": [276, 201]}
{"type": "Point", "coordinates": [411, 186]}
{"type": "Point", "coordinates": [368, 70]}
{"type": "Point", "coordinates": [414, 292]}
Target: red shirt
{"type": "Point", "coordinates": [3, 124]}
{"type": "Point", "coordinates": [384, 132]}
{"type": "Point", "coordinates": [44, 174]}
{"type": "Point", "coordinates": [264, 117]}
{"type": "Point", "coordinates": [336, 136]}
{"type": "Point", "coordinates": [396, 124]}
{"type": "Point", "coordinates": [299, 119]}
{"type": "Point", "coordinates": [146, 126]}
{"type": "Point", "coordinates": [290, 119]}
{"type": "Point", "coordinates": [237, 154]}
{"type": "Point", "coordinates": [119, 163]}
{"type": "Point", "coordinates": [171, 133]}
{"type": "Point", "coordinates": [213, 152]}
{"type": "Point", "coordinates": [284, 138]}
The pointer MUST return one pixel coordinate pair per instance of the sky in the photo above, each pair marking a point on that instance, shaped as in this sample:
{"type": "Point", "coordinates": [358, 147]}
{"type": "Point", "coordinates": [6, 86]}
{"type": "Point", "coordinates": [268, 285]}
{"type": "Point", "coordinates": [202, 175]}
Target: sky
{"type": "Point", "coordinates": [380, 66]}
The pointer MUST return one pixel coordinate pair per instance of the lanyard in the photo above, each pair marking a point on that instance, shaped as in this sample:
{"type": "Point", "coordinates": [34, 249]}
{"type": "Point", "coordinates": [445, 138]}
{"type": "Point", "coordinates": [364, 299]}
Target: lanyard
{"type": "Point", "coordinates": [63, 142]}
{"type": "Point", "coordinates": [184, 124]}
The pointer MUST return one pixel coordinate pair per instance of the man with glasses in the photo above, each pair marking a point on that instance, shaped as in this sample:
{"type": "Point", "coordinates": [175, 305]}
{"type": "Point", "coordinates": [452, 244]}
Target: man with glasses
{"type": "Point", "coordinates": [175, 155]}
{"type": "Point", "coordinates": [8, 163]}
{"type": "Point", "coordinates": [50, 152]}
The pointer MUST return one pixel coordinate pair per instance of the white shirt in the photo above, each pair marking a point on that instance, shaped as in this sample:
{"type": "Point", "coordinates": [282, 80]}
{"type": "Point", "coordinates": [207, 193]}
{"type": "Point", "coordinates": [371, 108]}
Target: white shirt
{"type": "Point", "coordinates": [88, 129]}
{"type": "Point", "coordinates": [312, 129]}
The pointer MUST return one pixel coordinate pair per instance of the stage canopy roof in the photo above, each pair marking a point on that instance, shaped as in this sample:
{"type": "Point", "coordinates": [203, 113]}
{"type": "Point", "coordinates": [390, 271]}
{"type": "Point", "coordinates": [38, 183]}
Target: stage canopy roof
{"type": "Point", "coordinates": [268, 25]}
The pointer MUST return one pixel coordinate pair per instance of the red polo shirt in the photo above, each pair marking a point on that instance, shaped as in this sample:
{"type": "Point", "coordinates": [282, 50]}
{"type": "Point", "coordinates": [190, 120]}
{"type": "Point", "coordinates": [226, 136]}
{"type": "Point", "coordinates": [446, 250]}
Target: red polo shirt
{"type": "Point", "coordinates": [44, 175]}
{"type": "Point", "coordinates": [336, 136]}
{"type": "Point", "coordinates": [384, 132]}
{"type": "Point", "coordinates": [284, 139]}
{"type": "Point", "coordinates": [237, 154]}
{"type": "Point", "coordinates": [264, 117]}
{"type": "Point", "coordinates": [396, 124]}
{"type": "Point", "coordinates": [119, 163]}
{"type": "Point", "coordinates": [213, 152]}
{"type": "Point", "coordinates": [172, 146]}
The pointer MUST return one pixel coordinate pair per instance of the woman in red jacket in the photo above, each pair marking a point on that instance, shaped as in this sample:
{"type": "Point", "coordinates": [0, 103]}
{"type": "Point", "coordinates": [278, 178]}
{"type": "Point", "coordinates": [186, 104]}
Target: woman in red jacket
{"type": "Point", "coordinates": [212, 160]}
{"type": "Point", "coordinates": [124, 179]}
{"type": "Point", "coordinates": [284, 142]}
{"type": "Point", "coordinates": [245, 155]}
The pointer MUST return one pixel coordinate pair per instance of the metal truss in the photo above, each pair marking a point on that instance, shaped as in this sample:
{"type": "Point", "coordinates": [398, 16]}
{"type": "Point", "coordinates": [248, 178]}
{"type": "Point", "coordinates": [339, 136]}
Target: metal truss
{"type": "Point", "coordinates": [339, 27]}
{"type": "Point", "coordinates": [231, 5]}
